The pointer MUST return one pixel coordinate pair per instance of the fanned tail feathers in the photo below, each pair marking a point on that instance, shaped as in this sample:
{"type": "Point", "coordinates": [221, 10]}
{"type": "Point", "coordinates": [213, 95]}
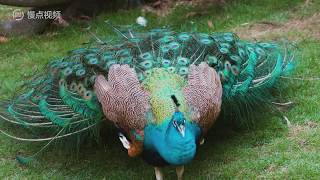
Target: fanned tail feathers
{"type": "Point", "coordinates": [62, 102]}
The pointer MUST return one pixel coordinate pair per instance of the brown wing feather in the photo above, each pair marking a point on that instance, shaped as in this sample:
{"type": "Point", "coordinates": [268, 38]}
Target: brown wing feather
{"type": "Point", "coordinates": [123, 100]}
{"type": "Point", "coordinates": [203, 94]}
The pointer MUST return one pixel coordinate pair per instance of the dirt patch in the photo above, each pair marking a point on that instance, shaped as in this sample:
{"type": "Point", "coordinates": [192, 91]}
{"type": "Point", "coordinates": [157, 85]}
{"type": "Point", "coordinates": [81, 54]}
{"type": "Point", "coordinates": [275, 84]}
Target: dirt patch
{"type": "Point", "coordinates": [296, 130]}
{"type": "Point", "coordinates": [297, 134]}
{"type": "Point", "coordinates": [165, 7]}
{"type": "Point", "coordinates": [295, 29]}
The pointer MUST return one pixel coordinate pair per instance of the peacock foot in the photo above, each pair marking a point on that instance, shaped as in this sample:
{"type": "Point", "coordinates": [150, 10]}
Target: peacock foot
{"type": "Point", "coordinates": [159, 175]}
{"type": "Point", "coordinates": [180, 171]}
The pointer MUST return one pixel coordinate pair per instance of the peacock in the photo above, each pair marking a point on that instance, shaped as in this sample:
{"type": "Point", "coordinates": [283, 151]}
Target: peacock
{"type": "Point", "coordinates": [163, 90]}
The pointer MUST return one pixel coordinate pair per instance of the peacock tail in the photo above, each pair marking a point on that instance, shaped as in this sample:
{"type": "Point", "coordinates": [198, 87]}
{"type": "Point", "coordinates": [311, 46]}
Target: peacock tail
{"type": "Point", "coordinates": [63, 102]}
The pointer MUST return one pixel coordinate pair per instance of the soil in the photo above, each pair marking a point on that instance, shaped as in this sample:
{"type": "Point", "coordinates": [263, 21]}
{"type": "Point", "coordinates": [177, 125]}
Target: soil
{"type": "Point", "coordinates": [294, 29]}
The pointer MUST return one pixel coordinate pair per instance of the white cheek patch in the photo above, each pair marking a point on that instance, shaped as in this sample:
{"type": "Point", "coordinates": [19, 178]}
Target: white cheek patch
{"type": "Point", "coordinates": [183, 130]}
{"type": "Point", "coordinates": [202, 142]}
{"type": "Point", "coordinates": [124, 141]}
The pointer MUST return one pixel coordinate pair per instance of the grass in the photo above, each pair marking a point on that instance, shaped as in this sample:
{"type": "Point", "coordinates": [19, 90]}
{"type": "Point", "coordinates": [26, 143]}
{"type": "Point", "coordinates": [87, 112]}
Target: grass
{"type": "Point", "coordinates": [270, 150]}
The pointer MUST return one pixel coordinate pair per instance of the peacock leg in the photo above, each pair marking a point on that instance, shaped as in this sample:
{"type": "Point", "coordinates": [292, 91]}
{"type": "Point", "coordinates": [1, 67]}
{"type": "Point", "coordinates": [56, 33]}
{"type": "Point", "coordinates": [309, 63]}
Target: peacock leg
{"type": "Point", "coordinates": [180, 171]}
{"type": "Point", "coordinates": [159, 175]}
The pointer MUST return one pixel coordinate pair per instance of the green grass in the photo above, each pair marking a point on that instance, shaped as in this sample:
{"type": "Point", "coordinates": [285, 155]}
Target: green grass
{"type": "Point", "coordinates": [270, 150]}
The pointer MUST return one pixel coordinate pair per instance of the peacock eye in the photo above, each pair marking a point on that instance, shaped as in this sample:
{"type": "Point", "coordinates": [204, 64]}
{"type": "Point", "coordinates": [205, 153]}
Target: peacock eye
{"type": "Point", "coordinates": [87, 95]}
{"type": "Point", "coordinates": [184, 121]}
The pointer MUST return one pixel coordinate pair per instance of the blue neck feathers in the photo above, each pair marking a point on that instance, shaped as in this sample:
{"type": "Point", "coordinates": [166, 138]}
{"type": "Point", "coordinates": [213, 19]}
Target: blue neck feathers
{"type": "Point", "coordinates": [173, 146]}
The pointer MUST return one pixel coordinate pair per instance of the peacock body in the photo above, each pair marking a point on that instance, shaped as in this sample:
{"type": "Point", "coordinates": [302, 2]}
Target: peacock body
{"type": "Point", "coordinates": [163, 89]}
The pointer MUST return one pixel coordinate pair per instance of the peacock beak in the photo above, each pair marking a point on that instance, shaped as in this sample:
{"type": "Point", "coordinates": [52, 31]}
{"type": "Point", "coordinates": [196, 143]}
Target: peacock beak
{"type": "Point", "coordinates": [182, 130]}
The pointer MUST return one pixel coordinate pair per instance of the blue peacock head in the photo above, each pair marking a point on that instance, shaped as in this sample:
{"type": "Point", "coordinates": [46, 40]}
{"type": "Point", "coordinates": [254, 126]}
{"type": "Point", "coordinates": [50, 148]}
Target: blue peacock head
{"type": "Point", "coordinates": [175, 140]}
{"type": "Point", "coordinates": [178, 120]}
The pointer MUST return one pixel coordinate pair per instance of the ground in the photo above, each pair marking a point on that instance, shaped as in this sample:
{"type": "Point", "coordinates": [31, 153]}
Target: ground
{"type": "Point", "coordinates": [272, 149]}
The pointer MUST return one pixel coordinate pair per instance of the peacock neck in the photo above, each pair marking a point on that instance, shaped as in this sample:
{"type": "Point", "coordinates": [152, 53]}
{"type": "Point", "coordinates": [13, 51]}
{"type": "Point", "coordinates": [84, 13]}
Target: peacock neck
{"type": "Point", "coordinates": [168, 142]}
{"type": "Point", "coordinates": [161, 85]}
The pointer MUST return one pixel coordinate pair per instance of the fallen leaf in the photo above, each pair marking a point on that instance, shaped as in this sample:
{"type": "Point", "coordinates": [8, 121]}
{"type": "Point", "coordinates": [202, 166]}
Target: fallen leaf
{"type": "Point", "coordinates": [210, 24]}
{"type": "Point", "coordinates": [244, 24]}
{"type": "Point", "coordinates": [3, 39]}
{"type": "Point", "coordinates": [191, 14]}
